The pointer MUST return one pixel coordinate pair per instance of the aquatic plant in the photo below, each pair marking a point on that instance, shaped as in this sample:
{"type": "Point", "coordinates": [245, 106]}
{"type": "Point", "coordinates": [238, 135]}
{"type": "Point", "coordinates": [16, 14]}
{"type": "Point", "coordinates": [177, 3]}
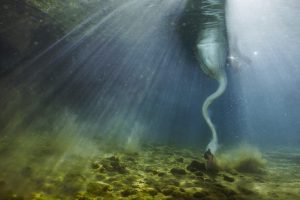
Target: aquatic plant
{"type": "Point", "coordinates": [212, 52]}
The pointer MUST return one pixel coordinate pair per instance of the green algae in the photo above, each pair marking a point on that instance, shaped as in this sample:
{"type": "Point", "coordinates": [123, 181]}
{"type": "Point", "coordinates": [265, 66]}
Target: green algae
{"type": "Point", "coordinates": [152, 173]}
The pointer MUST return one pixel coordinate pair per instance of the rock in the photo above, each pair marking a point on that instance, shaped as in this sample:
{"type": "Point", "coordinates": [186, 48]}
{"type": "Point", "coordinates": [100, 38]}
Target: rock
{"type": "Point", "coordinates": [196, 166]}
{"type": "Point", "coordinates": [178, 171]}
{"type": "Point", "coordinates": [113, 164]}
{"type": "Point", "coordinates": [95, 165]}
{"type": "Point", "coordinates": [173, 182]}
{"type": "Point", "coordinates": [161, 174]}
{"type": "Point", "coordinates": [222, 190]}
{"type": "Point", "coordinates": [117, 167]}
{"type": "Point", "coordinates": [82, 196]}
{"type": "Point", "coordinates": [180, 160]}
{"type": "Point", "coordinates": [175, 192]}
{"type": "Point", "coordinates": [98, 188]}
{"type": "Point", "coordinates": [169, 190]}
{"type": "Point", "coordinates": [152, 191]}
{"type": "Point", "coordinates": [100, 177]}
{"type": "Point", "coordinates": [149, 169]}
{"type": "Point", "coordinates": [228, 192]}
{"type": "Point", "coordinates": [151, 181]}
{"type": "Point", "coordinates": [131, 159]}
{"type": "Point", "coordinates": [117, 185]}
{"type": "Point", "coordinates": [129, 180]}
{"type": "Point", "coordinates": [38, 196]}
{"type": "Point", "coordinates": [128, 192]}
{"type": "Point", "coordinates": [199, 174]}
{"type": "Point", "coordinates": [245, 190]}
{"type": "Point", "coordinates": [228, 178]}
{"type": "Point", "coordinates": [200, 195]}
{"type": "Point", "coordinates": [73, 182]}
{"type": "Point", "coordinates": [113, 159]}
{"type": "Point", "coordinates": [219, 186]}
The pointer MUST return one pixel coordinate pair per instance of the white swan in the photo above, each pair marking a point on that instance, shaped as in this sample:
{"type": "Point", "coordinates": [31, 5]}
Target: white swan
{"type": "Point", "coordinates": [212, 53]}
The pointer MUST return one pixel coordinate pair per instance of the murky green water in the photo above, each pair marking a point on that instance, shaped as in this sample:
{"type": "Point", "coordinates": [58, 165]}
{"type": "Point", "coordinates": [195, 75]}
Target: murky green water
{"type": "Point", "coordinates": [102, 99]}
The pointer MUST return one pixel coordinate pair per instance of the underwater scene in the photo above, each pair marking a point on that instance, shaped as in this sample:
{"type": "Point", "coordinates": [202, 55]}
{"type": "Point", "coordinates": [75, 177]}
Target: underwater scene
{"type": "Point", "coordinates": [149, 99]}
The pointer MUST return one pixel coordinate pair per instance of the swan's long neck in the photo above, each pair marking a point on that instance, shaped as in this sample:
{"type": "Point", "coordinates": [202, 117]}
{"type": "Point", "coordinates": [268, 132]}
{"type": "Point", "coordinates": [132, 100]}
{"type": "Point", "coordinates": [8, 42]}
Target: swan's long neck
{"type": "Point", "coordinates": [213, 145]}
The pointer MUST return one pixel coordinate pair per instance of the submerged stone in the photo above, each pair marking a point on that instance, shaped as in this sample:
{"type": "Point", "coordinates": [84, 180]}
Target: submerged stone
{"type": "Point", "coordinates": [245, 190]}
{"type": "Point", "coordinates": [73, 182]}
{"type": "Point", "coordinates": [176, 192]}
{"type": "Point", "coordinates": [169, 190]}
{"type": "Point", "coordinates": [151, 191]}
{"type": "Point", "coordinates": [98, 188]}
{"type": "Point", "coordinates": [100, 177]}
{"type": "Point", "coordinates": [128, 192]}
{"type": "Point", "coordinates": [131, 159]}
{"type": "Point", "coordinates": [161, 174]}
{"type": "Point", "coordinates": [228, 178]}
{"type": "Point", "coordinates": [200, 195]}
{"type": "Point", "coordinates": [95, 165]}
{"type": "Point", "coordinates": [113, 159]}
{"type": "Point", "coordinates": [173, 182]}
{"type": "Point", "coordinates": [149, 169]}
{"type": "Point", "coordinates": [195, 166]}
{"type": "Point", "coordinates": [199, 174]}
{"type": "Point", "coordinates": [178, 171]}
{"type": "Point", "coordinates": [113, 164]}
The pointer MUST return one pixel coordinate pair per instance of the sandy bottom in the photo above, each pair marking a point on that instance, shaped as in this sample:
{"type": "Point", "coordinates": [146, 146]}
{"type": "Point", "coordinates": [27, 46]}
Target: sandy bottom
{"type": "Point", "coordinates": [58, 169]}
